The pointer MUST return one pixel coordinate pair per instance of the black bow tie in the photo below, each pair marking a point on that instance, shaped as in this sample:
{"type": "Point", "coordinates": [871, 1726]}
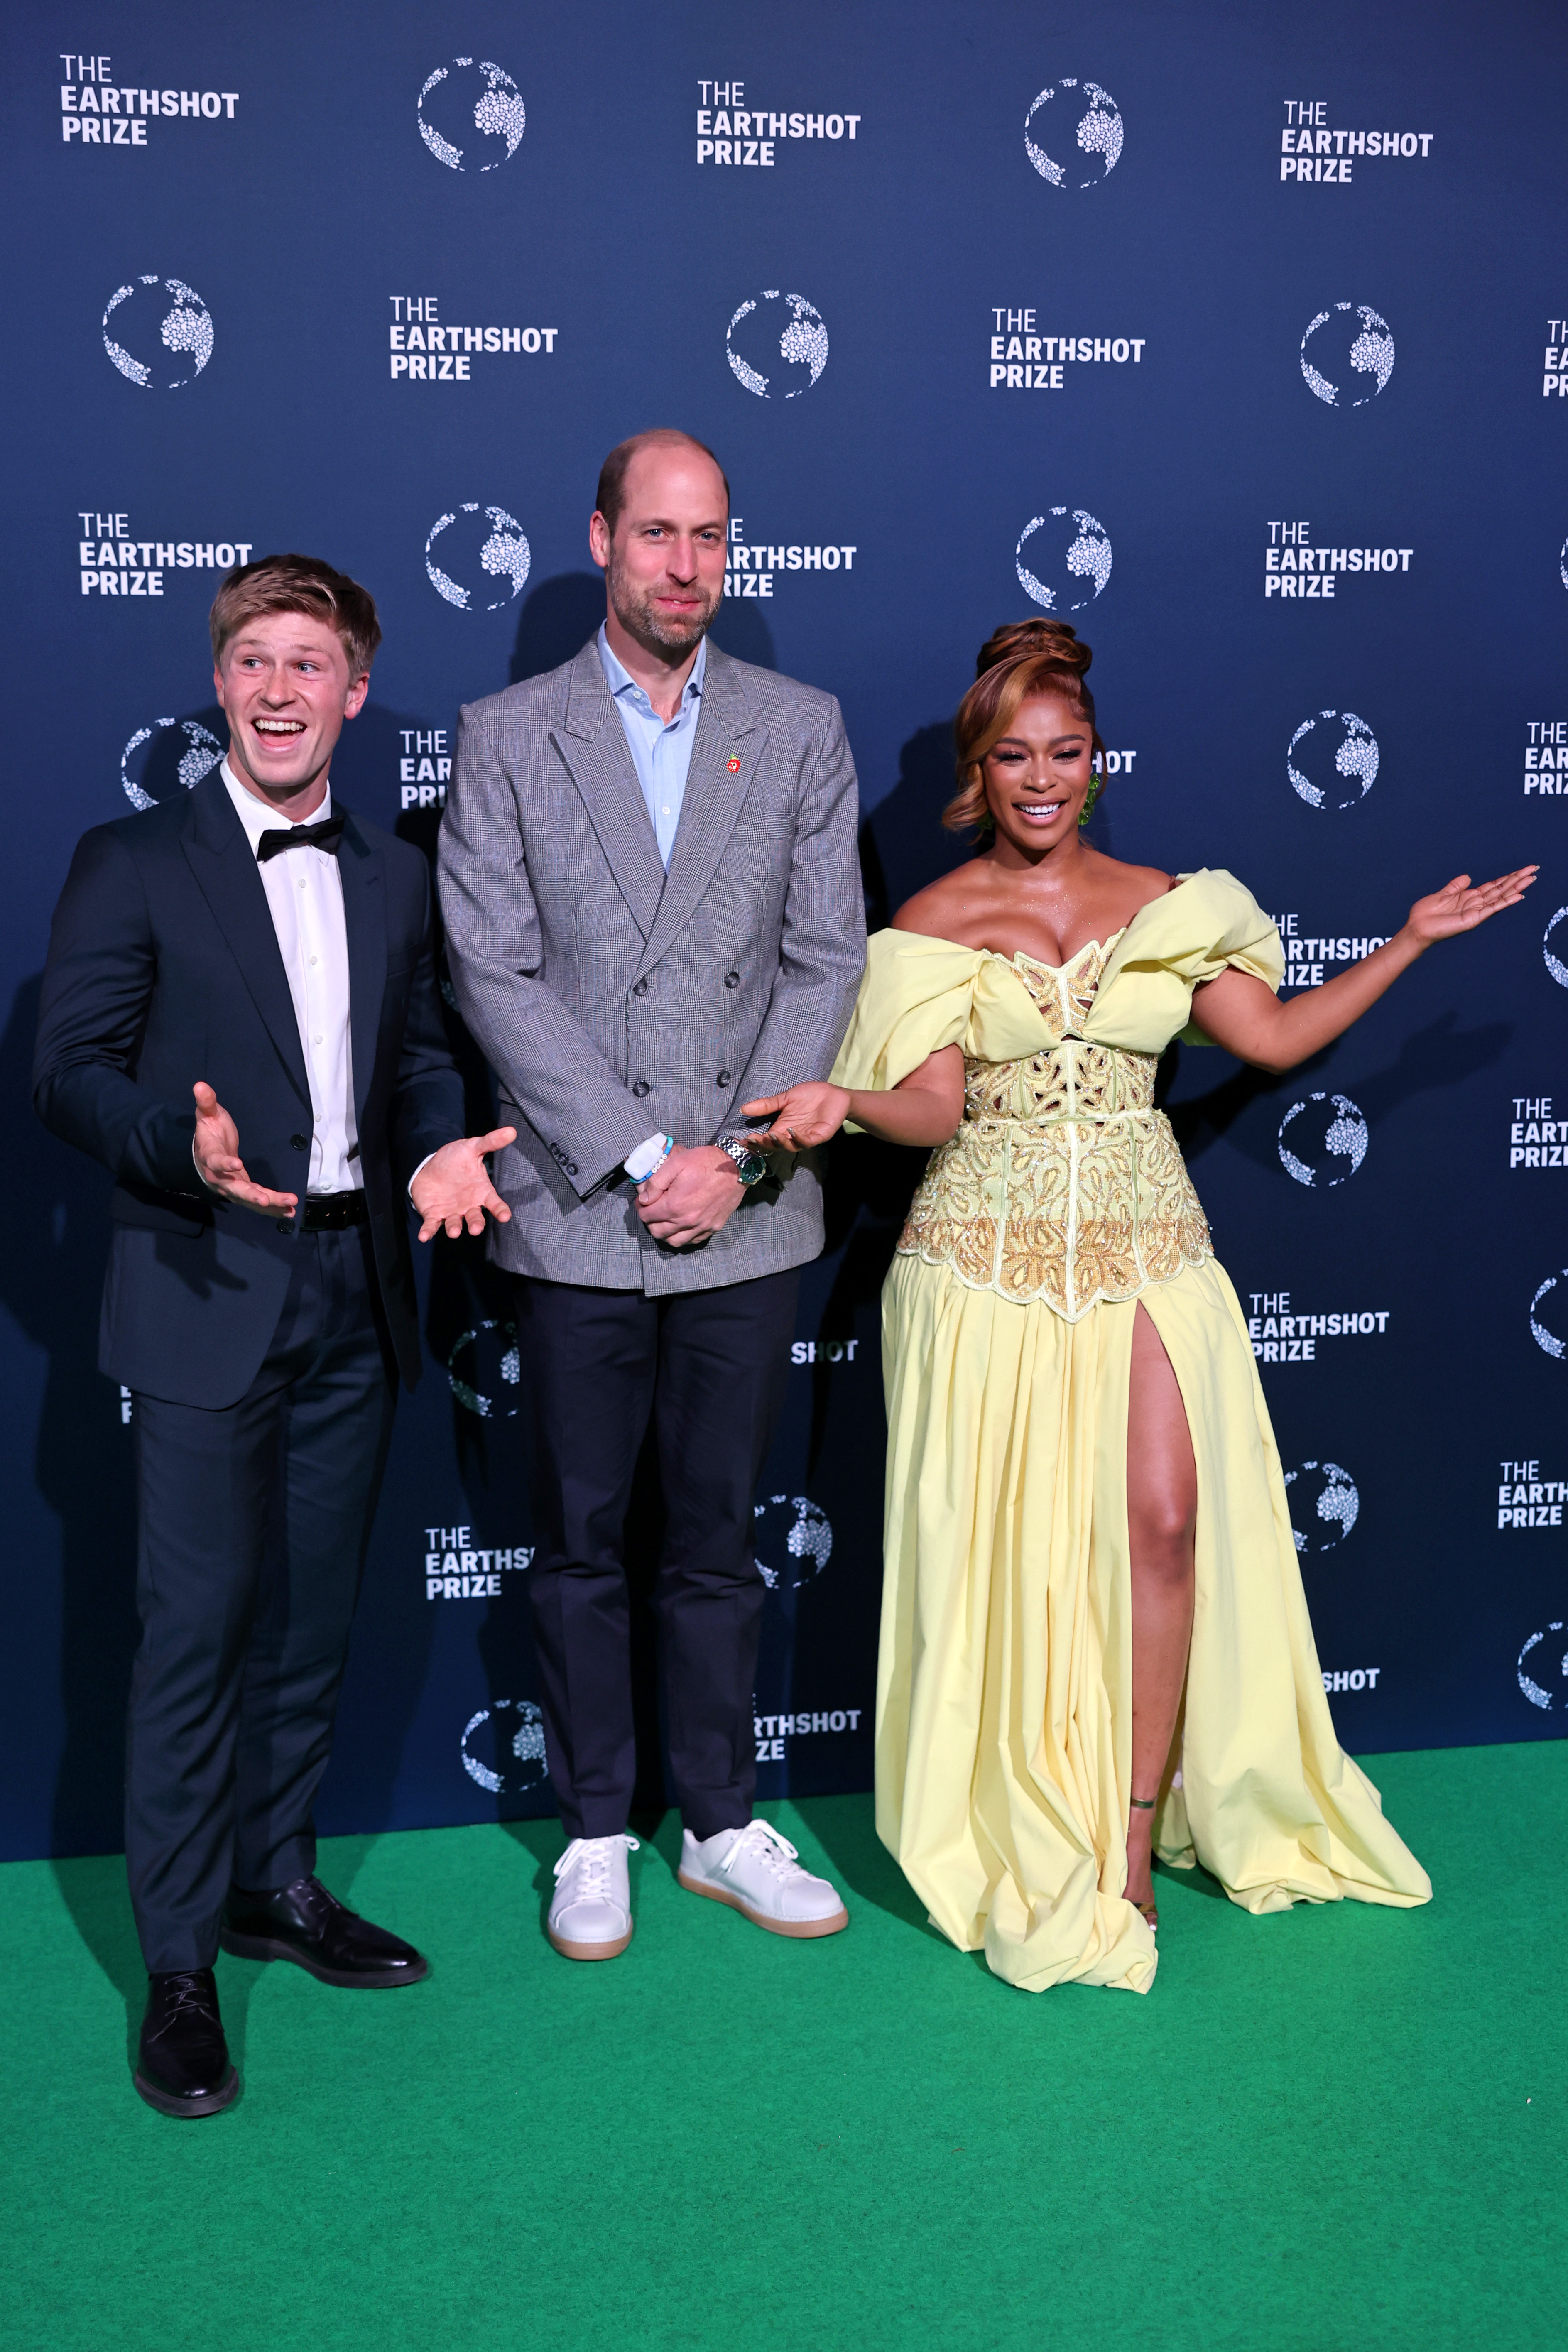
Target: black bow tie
{"type": "Point", "coordinates": [325, 836]}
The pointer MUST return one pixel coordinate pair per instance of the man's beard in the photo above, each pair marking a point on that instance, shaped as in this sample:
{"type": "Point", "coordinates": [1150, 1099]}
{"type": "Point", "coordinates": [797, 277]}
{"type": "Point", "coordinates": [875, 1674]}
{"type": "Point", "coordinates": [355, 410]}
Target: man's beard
{"type": "Point", "coordinates": [636, 612]}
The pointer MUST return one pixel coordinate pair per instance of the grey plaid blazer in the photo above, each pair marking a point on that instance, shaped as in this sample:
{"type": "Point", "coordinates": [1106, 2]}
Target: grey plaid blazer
{"type": "Point", "coordinates": [614, 1000]}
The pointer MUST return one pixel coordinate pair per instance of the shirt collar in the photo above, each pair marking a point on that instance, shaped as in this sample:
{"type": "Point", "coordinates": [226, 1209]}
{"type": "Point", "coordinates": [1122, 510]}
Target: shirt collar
{"type": "Point", "coordinates": [257, 817]}
{"type": "Point", "coordinates": [621, 681]}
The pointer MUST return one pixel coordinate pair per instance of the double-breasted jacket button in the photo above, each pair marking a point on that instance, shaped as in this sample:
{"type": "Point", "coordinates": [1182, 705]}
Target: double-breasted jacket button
{"type": "Point", "coordinates": [285, 1225]}
{"type": "Point", "coordinates": [723, 1078]}
{"type": "Point", "coordinates": [640, 988]}
{"type": "Point", "coordinates": [301, 1143]}
{"type": "Point", "coordinates": [641, 1087]}
{"type": "Point", "coordinates": [732, 980]}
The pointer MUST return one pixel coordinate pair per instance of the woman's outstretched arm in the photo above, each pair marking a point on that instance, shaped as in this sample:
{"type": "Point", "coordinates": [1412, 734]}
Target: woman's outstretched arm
{"type": "Point", "coordinates": [1246, 1017]}
{"type": "Point", "coordinates": [925, 1108]}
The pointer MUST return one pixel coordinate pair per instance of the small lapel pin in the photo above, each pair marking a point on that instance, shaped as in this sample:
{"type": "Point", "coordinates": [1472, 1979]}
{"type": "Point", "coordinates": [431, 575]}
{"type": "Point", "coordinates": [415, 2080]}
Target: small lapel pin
{"type": "Point", "coordinates": [733, 765]}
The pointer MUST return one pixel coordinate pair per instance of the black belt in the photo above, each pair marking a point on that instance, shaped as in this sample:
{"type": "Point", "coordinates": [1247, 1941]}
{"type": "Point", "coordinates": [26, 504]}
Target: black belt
{"type": "Point", "coordinates": [333, 1213]}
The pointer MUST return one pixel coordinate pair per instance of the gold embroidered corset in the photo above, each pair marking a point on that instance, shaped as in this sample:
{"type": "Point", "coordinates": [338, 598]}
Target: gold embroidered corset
{"type": "Point", "coordinates": [1063, 1183]}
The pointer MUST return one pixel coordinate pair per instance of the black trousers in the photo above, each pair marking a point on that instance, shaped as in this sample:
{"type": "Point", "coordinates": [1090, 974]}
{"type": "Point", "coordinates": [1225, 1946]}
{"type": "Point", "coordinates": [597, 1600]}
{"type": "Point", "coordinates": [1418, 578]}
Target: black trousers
{"type": "Point", "coordinates": [708, 1368]}
{"type": "Point", "coordinates": [252, 1526]}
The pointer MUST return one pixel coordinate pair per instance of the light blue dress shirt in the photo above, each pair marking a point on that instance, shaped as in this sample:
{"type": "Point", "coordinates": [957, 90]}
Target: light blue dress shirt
{"type": "Point", "coordinates": [660, 747]}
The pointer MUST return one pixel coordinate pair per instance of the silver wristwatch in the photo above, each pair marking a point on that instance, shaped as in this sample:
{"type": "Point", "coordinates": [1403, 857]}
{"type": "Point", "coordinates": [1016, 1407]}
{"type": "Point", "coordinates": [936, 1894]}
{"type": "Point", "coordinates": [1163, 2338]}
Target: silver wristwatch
{"type": "Point", "coordinates": [750, 1166]}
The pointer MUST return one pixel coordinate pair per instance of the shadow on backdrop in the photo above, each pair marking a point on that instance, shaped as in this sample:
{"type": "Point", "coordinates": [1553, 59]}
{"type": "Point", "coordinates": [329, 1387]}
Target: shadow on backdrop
{"type": "Point", "coordinates": [51, 1281]}
{"type": "Point", "coordinates": [741, 631]}
{"type": "Point", "coordinates": [1436, 1057]}
{"type": "Point", "coordinates": [52, 1285]}
{"type": "Point", "coordinates": [557, 620]}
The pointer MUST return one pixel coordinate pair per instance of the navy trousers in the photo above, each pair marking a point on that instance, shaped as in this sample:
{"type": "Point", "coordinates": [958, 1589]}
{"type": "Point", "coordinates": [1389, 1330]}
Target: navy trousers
{"type": "Point", "coordinates": [252, 1526]}
{"type": "Point", "coordinates": [708, 1369]}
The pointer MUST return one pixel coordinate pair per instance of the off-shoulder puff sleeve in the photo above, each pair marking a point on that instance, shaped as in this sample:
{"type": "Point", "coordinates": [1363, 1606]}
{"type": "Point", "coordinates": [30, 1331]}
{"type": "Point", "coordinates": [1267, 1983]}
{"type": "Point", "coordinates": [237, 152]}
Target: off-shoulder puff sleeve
{"type": "Point", "coordinates": [1209, 923]}
{"type": "Point", "coordinates": [916, 996]}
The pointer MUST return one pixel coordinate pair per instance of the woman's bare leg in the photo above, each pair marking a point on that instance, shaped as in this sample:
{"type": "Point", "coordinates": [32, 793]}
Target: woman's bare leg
{"type": "Point", "coordinates": [1162, 1509]}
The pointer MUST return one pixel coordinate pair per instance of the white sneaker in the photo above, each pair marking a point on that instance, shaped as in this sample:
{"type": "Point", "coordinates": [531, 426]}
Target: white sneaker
{"type": "Point", "coordinates": [755, 1871]}
{"type": "Point", "coordinates": [591, 1909]}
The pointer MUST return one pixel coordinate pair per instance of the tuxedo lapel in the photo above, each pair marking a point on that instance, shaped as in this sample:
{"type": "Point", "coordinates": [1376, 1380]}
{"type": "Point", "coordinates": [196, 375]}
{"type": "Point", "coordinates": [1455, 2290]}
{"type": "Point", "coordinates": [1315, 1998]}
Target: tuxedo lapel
{"type": "Point", "coordinates": [225, 867]}
{"type": "Point", "coordinates": [364, 924]}
{"type": "Point", "coordinates": [592, 742]}
{"type": "Point", "coordinates": [724, 754]}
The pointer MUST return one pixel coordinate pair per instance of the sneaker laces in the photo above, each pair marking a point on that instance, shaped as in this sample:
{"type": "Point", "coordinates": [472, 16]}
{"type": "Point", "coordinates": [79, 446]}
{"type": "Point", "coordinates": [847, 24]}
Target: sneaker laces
{"type": "Point", "coordinates": [775, 1853]}
{"type": "Point", "coordinates": [591, 1858]}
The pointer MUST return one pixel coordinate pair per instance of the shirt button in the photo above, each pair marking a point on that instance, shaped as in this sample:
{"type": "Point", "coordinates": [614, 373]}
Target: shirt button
{"type": "Point", "coordinates": [723, 1078]}
{"type": "Point", "coordinates": [310, 959]}
{"type": "Point", "coordinates": [641, 1087]}
{"type": "Point", "coordinates": [732, 980]}
{"type": "Point", "coordinates": [315, 1041]}
{"type": "Point", "coordinates": [640, 988]}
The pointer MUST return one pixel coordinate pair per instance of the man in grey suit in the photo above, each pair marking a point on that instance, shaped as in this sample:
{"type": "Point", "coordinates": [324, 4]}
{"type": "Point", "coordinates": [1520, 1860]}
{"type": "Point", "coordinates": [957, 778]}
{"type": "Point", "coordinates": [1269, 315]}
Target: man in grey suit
{"type": "Point", "coordinates": [653, 914]}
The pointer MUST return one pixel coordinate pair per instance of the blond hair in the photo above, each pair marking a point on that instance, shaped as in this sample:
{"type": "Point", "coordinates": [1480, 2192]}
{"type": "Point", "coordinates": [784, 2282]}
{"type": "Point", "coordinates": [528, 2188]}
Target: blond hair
{"type": "Point", "coordinates": [297, 583]}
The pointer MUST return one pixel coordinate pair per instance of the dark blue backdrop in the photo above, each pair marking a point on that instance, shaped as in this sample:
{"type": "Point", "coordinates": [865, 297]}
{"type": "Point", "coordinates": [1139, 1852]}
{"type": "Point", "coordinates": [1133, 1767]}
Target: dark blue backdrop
{"type": "Point", "coordinates": [1193, 317]}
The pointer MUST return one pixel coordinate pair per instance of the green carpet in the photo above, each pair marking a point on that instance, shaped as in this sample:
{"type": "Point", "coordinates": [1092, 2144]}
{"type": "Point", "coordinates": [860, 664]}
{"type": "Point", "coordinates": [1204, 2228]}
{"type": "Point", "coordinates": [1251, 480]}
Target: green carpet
{"type": "Point", "coordinates": [1340, 2130]}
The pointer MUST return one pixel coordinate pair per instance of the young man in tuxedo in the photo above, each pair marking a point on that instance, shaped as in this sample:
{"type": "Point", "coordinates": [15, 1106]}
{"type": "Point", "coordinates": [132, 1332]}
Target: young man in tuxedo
{"type": "Point", "coordinates": [240, 1019]}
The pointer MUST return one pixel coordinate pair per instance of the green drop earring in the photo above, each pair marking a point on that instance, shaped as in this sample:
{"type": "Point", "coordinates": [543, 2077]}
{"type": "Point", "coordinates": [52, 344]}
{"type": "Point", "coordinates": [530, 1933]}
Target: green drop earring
{"type": "Point", "coordinates": [1089, 799]}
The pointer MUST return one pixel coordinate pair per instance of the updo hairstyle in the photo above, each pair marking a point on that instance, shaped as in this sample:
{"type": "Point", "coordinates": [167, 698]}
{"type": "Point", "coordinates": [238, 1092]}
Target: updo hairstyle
{"type": "Point", "coordinates": [1019, 659]}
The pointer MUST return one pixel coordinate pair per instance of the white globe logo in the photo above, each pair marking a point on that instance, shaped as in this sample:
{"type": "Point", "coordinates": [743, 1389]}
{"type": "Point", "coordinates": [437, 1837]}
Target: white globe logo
{"type": "Point", "coordinates": [154, 317]}
{"type": "Point", "coordinates": [198, 757]}
{"type": "Point", "coordinates": [1324, 1130]}
{"type": "Point", "coordinates": [1554, 963]}
{"type": "Point", "coordinates": [486, 540]}
{"type": "Point", "coordinates": [1563, 563]}
{"type": "Point", "coordinates": [797, 1553]}
{"type": "Point", "coordinates": [1088, 115]}
{"type": "Point", "coordinates": [1353, 770]}
{"type": "Point", "coordinates": [520, 1760]}
{"type": "Point", "coordinates": [1344, 341]}
{"type": "Point", "coordinates": [1556, 1655]}
{"type": "Point", "coordinates": [494, 1366]}
{"type": "Point", "coordinates": [1336, 1504]}
{"type": "Point", "coordinates": [1540, 1329]}
{"type": "Point", "coordinates": [464, 94]}
{"type": "Point", "coordinates": [1069, 562]}
{"type": "Point", "coordinates": [799, 339]}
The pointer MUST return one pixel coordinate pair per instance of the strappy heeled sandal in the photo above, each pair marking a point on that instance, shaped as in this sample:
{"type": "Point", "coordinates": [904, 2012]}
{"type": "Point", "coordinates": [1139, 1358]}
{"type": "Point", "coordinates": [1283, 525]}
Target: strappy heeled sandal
{"type": "Point", "coordinates": [1150, 1910]}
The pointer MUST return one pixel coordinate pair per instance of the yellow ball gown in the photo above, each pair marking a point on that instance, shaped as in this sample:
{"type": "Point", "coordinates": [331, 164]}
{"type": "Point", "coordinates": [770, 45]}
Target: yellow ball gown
{"type": "Point", "coordinates": [1004, 1694]}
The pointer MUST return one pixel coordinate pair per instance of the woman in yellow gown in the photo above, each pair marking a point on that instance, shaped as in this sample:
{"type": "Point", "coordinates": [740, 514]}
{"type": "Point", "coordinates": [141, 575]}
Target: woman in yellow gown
{"type": "Point", "coordinates": [1095, 1646]}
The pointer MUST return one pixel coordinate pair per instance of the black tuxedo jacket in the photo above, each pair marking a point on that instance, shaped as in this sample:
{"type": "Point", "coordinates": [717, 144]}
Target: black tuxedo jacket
{"type": "Point", "coordinates": [163, 968]}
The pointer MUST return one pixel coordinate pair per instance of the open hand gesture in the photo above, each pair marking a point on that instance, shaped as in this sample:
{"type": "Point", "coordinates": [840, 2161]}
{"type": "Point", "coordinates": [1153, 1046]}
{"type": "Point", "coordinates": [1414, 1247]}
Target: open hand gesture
{"type": "Point", "coordinates": [1461, 906]}
{"type": "Point", "coordinates": [453, 1189]}
{"type": "Point", "coordinates": [220, 1166]}
{"type": "Point", "coordinates": [802, 1116]}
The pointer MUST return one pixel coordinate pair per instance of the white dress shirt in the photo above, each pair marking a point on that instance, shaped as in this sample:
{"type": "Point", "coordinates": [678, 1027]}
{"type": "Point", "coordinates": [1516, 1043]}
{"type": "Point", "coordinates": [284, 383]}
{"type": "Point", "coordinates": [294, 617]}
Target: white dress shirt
{"type": "Point", "coordinates": [305, 892]}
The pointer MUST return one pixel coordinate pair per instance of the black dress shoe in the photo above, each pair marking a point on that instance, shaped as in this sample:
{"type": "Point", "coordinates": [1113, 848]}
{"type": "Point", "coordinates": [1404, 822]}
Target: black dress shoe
{"type": "Point", "coordinates": [183, 2066]}
{"type": "Point", "coordinates": [304, 1924]}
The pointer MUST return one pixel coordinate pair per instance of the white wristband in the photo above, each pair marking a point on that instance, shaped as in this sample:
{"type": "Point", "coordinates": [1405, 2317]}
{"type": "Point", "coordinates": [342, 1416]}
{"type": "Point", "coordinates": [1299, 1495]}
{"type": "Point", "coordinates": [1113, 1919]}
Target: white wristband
{"type": "Point", "coordinates": [650, 1153]}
